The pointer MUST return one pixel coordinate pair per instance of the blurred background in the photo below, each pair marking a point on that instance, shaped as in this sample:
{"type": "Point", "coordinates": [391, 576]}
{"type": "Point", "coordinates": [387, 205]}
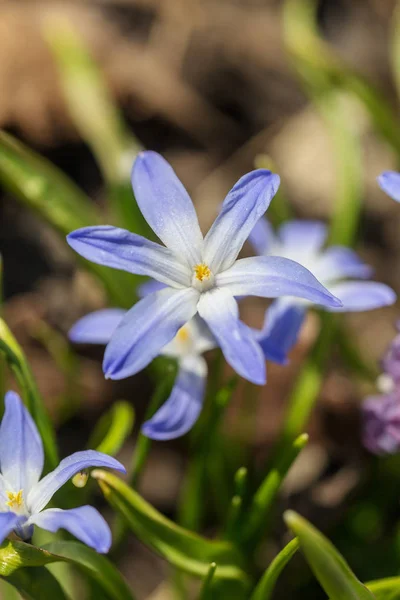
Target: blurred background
{"type": "Point", "coordinates": [212, 85]}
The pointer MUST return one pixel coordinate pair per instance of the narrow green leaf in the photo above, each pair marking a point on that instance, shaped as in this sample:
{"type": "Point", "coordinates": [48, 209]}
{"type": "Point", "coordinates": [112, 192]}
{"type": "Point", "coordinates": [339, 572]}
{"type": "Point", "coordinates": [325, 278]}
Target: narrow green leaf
{"type": "Point", "coordinates": [206, 592]}
{"type": "Point", "coordinates": [182, 548]}
{"type": "Point", "coordinates": [19, 365]}
{"type": "Point", "coordinates": [232, 527]}
{"type": "Point", "coordinates": [328, 565]}
{"type": "Point", "coordinates": [385, 589]}
{"type": "Point", "coordinates": [45, 189]}
{"type": "Point", "coordinates": [267, 583]}
{"type": "Point", "coordinates": [259, 511]}
{"type": "Point", "coordinates": [37, 583]}
{"type": "Point", "coordinates": [113, 429]}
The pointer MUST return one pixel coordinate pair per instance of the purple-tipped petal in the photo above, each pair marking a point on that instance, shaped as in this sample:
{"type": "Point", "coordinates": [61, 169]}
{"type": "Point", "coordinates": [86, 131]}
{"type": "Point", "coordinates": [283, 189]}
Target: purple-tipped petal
{"type": "Point", "coordinates": [8, 522]}
{"type": "Point", "coordinates": [120, 249]}
{"type": "Point", "coordinates": [167, 207]}
{"type": "Point", "coordinates": [262, 236]}
{"type": "Point", "coordinates": [182, 409]}
{"type": "Point", "coordinates": [339, 262]}
{"type": "Point", "coordinates": [306, 237]}
{"type": "Point", "coordinates": [389, 182]}
{"type": "Point", "coordinates": [283, 321]}
{"type": "Point", "coordinates": [242, 208]}
{"type": "Point", "coordinates": [41, 494]}
{"type": "Point", "coordinates": [146, 328]}
{"type": "Point", "coordinates": [85, 523]}
{"type": "Point", "coordinates": [220, 311]}
{"type": "Point", "coordinates": [149, 287]}
{"type": "Point", "coordinates": [358, 296]}
{"type": "Point", "coordinates": [21, 448]}
{"type": "Point", "coordinates": [97, 327]}
{"type": "Point", "coordinates": [272, 277]}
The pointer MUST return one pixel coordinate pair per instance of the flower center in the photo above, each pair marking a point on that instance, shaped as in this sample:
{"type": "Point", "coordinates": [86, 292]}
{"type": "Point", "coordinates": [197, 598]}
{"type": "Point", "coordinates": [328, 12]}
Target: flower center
{"type": "Point", "coordinates": [183, 334]}
{"type": "Point", "coordinates": [203, 278]}
{"type": "Point", "coordinates": [15, 501]}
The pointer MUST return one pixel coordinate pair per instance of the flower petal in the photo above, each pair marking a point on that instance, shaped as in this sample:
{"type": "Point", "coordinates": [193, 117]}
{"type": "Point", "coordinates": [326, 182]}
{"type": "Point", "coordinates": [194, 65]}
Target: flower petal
{"type": "Point", "coordinates": [358, 296]}
{"type": "Point", "coordinates": [262, 236]}
{"type": "Point", "coordinates": [96, 327]}
{"type": "Point", "coordinates": [149, 287]}
{"type": "Point", "coordinates": [146, 328]}
{"type": "Point", "coordinates": [85, 523]}
{"type": "Point", "coordinates": [274, 276]}
{"type": "Point", "coordinates": [167, 207]}
{"type": "Point", "coordinates": [283, 321]}
{"type": "Point", "coordinates": [180, 412]}
{"type": "Point", "coordinates": [120, 249]}
{"type": "Point", "coordinates": [389, 182]}
{"type": "Point", "coordinates": [43, 491]}
{"type": "Point", "coordinates": [307, 237]}
{"type": "Point", "coordinates": [339, 262]}
{"type": "Point", "coordinates": [8, 521]}
{"type": "Point", "coordinates": [21, 448]}
{"type": "Point", "coordinates": [220, 311]}
{"type": "Point", "coordinates": [242, 208]}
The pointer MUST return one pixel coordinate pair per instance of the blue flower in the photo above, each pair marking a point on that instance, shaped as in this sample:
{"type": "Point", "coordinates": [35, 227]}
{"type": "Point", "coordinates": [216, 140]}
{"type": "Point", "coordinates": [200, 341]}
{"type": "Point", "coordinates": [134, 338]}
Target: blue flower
{"type": "Point", "coordinates": [182, 409]}
{"type": "Point", "coordinates": [202, 275]}
{"type": "Point", "coordinates": [303, 241]}
{"type": "Point", "coordinates": [23, 497]}
{"type": "Point", "coordinates": [389, 181]}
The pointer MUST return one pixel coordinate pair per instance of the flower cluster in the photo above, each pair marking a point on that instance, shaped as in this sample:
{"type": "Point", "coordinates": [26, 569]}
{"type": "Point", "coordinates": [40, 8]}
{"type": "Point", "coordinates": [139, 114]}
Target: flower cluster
{"type": "Point", "coordinates": [23, 495]}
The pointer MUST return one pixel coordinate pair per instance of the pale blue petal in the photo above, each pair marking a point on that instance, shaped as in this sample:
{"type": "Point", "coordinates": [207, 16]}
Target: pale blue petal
{"type": "Point", "coordinates": [21, 448]}
{"type": "Point", "coordinates": [182, 409]}
{"type": "Point", "coordinates": [8, 522]}
{"type": "Point", "coordinates": [358, 296]}
{"type": "Point", "coordinates": [283, 321]}
{"type": "Point", "coordinates": [167, 207]}
{"type": "Point", "coordinates": [146, 328]}
{"type": "Point", "coordinates": [272, 277]}
{"type": "Point", "coordinates": [120, 249]}
{"type": "Point", "coordinates": [262, 236]}
{"type": "Point", "coordinates": [307, 237]}
{"type": "Point", "coordinates": [339, 262]}
{"type": "Point", "coordinates": [149, 287]}
{"type": "Point", "coordinates": [220, 311]}
{"type": "Point", "coordinates": [85, 523]}
{"type": "Point", "coordinates": [96, 327]}
{"type": "Point", "coordinates": [389, 181]}
{"type": "Point", "coordinates": [42, 492]}
{"type": "Point", "coordinates": [241, 210]}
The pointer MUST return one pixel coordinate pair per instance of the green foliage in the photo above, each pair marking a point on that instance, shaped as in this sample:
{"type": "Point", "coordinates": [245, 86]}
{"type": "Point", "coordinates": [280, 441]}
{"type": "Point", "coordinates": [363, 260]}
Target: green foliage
{"type": "Point", "coordinates": [113, 429]}
{"type": "Point", "coordinates": [267, 583]}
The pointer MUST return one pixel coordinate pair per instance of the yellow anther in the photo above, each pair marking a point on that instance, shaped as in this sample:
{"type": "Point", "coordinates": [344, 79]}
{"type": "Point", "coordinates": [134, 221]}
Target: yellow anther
{"type": "Point", "coordinates": [183, 334]}
{"type": "Point", "coordinates": [202, 272]}
{"type": "Point", "coordinates": [15, 500]}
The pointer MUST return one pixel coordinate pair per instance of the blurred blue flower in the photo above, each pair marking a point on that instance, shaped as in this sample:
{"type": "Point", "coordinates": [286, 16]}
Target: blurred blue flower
{"type": "Point", "coordinates": [181, 410]}
{"type": "Point", "coordinates": [303, 241]}
{"type": "Point", "coordinates": [381, 423]}
{"type": "Point", "coordinates": [23, 497]}
{"type": "Point", "coordinates": [389, 181]}
{"type": "Point", "coordinates": [202, 275]}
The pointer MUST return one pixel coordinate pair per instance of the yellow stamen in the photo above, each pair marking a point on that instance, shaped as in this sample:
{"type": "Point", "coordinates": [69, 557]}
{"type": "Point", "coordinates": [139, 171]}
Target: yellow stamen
{"type": "Point", "coordinates": [15, 500]}
{"type": "Point", "coordinates": [183, 334]}
{"type": "Point", "coordinates": [202, 272]}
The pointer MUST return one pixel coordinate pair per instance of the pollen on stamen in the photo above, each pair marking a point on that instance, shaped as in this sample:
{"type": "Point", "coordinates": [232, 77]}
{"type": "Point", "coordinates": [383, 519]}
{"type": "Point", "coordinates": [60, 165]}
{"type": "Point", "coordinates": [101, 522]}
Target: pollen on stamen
{"type": "Point", "coordinates": [15, 500]}
{"type": "Point", "coordinates": [183, 334]}
{"type": "Point", "coordinates": [202, 272]}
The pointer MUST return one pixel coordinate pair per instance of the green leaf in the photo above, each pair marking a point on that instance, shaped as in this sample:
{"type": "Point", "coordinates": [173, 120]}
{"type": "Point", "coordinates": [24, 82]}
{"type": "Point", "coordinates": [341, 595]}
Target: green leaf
{"type": "Point", "coordinates": [182, 548]}
{"type": "Point", "coordinates": [385, 589]}
{"type": "Point", "coordinates": [328, 565]}
{"type": "Point", "coordinates": [206, 591]}
{"type": "Point", "coordinates": [45, 189]}
{"type": "Point", "coordinates": [267, 583]}
{"type": "Point", "coordinates": [36, 584]}
{"type": "Point", "coordinates": [113, 429]}
{"type": "Point", "coordinates": [14, 555]}
{"type": "Point", "coordinates": [260, 509]}
{"type": "Point", "coordinates": [30, 394]}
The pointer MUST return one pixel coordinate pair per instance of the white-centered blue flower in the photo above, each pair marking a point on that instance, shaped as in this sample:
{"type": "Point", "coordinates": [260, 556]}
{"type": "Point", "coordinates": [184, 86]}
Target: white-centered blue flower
{"type": "Point", "coordinates": [23, 497]}
{"type": "Point", "coordinates": [332, 266]}
{"type": "Point", "coordinates": [182, 409]}
{"type": "Point", "coordinates": [202, 275]}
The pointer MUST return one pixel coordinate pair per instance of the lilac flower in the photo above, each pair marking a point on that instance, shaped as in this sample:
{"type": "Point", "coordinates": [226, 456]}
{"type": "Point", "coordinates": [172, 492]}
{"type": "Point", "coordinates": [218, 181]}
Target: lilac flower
{"type": "Point", "coordinates": [23, 497]}
{"type": "Point", "coordinates": [391, 362]}
{"type": "Point", "coordinates": [182, 409]}
{"type": "Point", "coordinates": [303, 241]}
{"type": "Point", "coordinates": [202, 275]}
{"type": "Point", "coordinates": [381, 423]}
{"type": "Point", "coordinates": [389, 181]}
